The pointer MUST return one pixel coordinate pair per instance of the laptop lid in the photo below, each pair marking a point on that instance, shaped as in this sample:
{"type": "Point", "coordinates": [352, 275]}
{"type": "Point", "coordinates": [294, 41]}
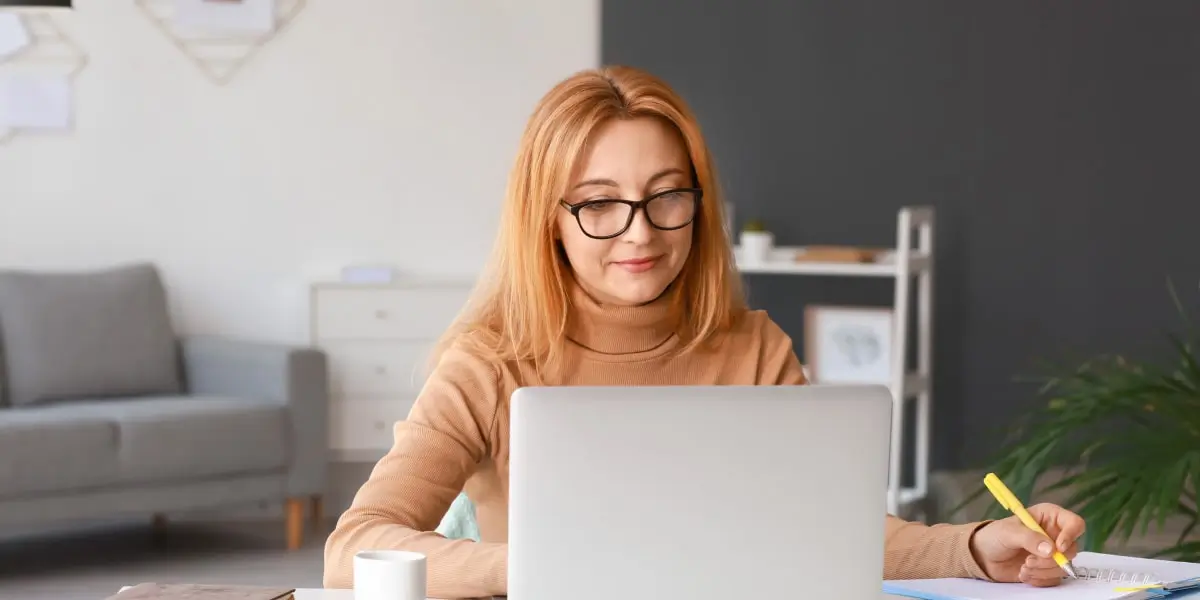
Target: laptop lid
{"type": "Point", "coordinates": [698, 492]}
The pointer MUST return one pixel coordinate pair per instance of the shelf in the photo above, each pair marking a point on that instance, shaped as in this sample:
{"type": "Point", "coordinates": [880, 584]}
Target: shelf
{"type": "Point", "coordinates": [910, 496]}
{"type": "Point", "coordinates": [782, 262]}
{"type": "Point", "coordinates": [908, 502]}
{"type": "Point", "coordinates": [915, 384]}
{"type": "Point", "coordinates": [909, 264]}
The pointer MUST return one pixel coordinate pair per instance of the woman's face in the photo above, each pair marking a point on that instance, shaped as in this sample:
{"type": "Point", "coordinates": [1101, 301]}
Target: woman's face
{"type": "Point", "coordinates": [629, 159]}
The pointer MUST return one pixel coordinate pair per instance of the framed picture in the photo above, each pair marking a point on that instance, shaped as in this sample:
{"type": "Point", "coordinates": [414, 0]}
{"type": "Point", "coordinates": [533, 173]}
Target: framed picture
{"type": "Point", "coordinates": [848, 344]}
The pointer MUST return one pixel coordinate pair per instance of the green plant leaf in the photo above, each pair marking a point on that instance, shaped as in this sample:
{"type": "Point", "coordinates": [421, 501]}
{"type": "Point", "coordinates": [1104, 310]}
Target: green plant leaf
{"type": "Point", "coordinates": [1187, 530]}
{"type": "Point", "coordinates": [1167, 495]}
{"type": "Point", "coordinates": [1127, 433]}
{"type": "Point", "coordinates": [1183, 315]}
{"type": "Point", "coordinates": [1187, 552]}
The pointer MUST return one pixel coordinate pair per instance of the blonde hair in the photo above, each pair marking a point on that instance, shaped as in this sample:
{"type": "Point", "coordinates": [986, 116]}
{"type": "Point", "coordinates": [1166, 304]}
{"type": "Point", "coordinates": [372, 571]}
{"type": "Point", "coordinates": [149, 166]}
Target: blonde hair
{"type": "Point", "coordinates": [520, 308]}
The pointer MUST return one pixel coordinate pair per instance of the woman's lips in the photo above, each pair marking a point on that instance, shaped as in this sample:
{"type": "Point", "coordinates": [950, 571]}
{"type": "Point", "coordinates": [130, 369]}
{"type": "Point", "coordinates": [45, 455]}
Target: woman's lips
{"type": "Point", "coordinates": [638, 265]}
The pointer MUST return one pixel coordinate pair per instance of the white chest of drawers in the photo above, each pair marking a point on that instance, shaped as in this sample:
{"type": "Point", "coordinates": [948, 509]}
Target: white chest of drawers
{"type": "Point", "coordinates": [378, 339]}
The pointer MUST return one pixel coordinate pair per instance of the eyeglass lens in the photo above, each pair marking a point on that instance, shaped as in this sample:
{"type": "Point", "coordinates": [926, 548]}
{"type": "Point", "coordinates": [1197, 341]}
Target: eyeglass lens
{"type": "Point", "coordinates": [603, 218]}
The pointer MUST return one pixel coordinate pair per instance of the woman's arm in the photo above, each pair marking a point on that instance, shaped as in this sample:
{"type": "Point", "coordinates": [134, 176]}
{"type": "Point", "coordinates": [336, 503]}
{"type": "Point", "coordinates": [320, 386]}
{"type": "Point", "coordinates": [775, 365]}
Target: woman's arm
{"type": "Point", "coordinates": [919, 551]}
{"type": "Point", "coordinates": [435, 450]}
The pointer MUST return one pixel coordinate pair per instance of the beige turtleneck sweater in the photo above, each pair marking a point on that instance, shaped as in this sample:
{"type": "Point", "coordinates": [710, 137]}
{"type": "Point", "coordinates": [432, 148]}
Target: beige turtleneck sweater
{"type": "Point", "coordinates": [456, 438]}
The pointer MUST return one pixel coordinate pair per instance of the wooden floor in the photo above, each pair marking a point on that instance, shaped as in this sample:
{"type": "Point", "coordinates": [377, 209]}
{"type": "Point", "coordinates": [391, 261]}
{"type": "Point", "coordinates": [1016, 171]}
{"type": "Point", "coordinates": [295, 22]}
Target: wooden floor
{"type": "Point", "coordinates": [94, 564]}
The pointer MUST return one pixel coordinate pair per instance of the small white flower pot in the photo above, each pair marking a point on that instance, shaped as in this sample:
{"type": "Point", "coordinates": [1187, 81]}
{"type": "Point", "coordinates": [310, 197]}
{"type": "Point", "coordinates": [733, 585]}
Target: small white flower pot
{"type": "Point", "coordinates": [757, 246]}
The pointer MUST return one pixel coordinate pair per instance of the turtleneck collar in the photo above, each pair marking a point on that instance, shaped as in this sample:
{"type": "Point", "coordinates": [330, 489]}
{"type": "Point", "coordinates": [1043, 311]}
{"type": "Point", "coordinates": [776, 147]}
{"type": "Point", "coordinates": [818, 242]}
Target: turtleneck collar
{"type": "Point", "coordinates": [613, 329]}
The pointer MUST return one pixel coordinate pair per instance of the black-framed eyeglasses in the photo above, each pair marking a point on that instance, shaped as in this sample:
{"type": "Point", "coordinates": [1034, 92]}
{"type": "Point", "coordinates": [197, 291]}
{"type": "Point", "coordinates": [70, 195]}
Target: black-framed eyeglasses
{"type": "Point", "coordinates": [607, 218]}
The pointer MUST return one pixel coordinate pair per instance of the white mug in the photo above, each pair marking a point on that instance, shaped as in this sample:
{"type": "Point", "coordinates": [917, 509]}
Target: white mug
{"type": "Point", "coordinates": [389, 575]}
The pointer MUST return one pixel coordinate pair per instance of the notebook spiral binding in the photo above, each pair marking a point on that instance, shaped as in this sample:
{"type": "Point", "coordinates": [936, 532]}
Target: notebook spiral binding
{"type": "Point", "coordinates": [1116, 576]}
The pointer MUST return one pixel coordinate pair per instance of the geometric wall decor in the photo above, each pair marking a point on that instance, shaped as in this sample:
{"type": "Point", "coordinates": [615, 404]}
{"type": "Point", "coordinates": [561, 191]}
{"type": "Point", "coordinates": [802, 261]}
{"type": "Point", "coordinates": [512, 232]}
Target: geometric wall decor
{"type": "Point", "coordinates": [44, 50]}
{"type": "Point", "coordinates": [219, 54]}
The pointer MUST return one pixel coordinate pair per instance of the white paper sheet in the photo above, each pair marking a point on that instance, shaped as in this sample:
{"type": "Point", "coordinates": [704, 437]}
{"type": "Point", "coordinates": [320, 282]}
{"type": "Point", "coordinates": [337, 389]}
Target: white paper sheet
{"type": "Point", "coordinates": [228, 16]}
{"type": "Point", "coordinates": [35, 101]}
{"type": "Point", "coordinates": [13, 35]}
{"type": "Point", "coordinates": [970, 589]}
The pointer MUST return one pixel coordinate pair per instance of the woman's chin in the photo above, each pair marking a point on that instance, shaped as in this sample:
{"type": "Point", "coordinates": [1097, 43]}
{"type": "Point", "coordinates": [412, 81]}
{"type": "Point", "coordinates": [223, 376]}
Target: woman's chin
{"type": "Point", "coordinates": [635, 293]}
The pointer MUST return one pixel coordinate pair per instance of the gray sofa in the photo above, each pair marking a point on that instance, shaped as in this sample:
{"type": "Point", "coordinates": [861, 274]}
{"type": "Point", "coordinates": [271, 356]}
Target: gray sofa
{"type": "Point", "coordinates": [105, 412]}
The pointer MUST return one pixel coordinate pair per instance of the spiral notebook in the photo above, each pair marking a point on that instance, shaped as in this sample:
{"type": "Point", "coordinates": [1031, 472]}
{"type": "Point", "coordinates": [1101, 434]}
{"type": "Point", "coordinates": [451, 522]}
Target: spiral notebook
{"type": "Point", "coordinates": [1102, 577]}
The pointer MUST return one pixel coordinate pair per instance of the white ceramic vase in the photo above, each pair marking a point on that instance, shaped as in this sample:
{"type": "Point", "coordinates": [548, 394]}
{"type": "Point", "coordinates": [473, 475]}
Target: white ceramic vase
{"type": "Point", "coordinates": [757, 246]}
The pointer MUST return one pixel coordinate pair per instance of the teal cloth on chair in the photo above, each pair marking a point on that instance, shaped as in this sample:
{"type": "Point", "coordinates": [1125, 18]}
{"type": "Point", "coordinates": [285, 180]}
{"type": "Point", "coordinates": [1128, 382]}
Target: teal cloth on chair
{"type": "Point", "coordinates": [459, 522]}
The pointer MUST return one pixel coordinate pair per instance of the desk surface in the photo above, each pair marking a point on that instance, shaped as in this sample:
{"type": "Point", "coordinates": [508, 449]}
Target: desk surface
{"type": "Point", "coordinates": [349, 595]}
{"type": "Point", "coordinates": [311, 594]}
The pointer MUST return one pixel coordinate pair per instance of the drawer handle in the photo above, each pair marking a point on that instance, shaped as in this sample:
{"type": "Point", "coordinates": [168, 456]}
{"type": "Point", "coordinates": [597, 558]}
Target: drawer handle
{"type": "Point", "coordinates": [381, 370]}
{"type": "Point", "coordinates": [380, 425]}
{"type": "Point", "coordinates": [381, 314]}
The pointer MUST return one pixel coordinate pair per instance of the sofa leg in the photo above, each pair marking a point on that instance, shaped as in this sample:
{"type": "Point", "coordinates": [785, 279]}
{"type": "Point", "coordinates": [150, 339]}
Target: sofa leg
{"type": "Point", "coordinates": [295, 523]}
{"type": "Point", "coordinates": [318, 512]}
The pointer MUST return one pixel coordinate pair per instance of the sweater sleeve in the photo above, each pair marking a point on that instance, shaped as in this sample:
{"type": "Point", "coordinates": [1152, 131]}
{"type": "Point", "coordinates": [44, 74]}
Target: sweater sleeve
{"type": "Point", "coordinates": [919, 551]}
{"type": "Point", "coordinates": [911, 550]}
{"type": "Point", "coordinates": [434, 452]}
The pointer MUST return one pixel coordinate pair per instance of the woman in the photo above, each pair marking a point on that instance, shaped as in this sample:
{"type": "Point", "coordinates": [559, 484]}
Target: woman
{"type": "Point", "coordinates": [612, 267]}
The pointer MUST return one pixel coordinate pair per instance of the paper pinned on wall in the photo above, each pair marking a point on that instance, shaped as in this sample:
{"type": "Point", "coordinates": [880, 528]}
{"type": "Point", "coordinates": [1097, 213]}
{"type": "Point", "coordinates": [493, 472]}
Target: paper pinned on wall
{"type": "Point", "coordinates": [13, 36]}
{"type": "Point", "coordinates": [226, 16]}
{"type": "Point", "coordinates": [35, 101]}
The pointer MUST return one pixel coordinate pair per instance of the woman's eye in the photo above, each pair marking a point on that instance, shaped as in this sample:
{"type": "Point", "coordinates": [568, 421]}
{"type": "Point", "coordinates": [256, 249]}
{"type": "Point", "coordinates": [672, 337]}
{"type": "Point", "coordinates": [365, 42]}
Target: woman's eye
{"type": "Point", "coordinates": [598, 206]}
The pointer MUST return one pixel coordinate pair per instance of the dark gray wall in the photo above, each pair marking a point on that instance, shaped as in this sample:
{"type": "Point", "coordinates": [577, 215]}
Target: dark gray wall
{"type": "Point", "coordinates": [1057, 140]}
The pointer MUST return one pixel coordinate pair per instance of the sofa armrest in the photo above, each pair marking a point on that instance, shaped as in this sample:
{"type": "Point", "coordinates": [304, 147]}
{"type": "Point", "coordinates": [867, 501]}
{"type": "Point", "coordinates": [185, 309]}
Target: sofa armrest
{"type": "Point", "coordinates": [294, 376]}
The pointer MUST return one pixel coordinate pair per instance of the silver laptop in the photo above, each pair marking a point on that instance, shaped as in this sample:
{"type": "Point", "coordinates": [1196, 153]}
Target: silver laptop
{"type": "Point", "coordinates": [698, 493]}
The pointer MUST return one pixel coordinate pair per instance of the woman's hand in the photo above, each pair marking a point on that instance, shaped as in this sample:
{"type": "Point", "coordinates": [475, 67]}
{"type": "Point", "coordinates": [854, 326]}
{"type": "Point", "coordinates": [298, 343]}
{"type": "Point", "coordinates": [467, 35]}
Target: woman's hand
{"type": "Point", "coordinates": [1010, 552]}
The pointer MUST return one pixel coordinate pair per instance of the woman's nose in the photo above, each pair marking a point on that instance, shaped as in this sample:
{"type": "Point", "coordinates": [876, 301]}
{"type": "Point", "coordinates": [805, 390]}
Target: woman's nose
{"type": "Point", "coordinates": [640, 230]}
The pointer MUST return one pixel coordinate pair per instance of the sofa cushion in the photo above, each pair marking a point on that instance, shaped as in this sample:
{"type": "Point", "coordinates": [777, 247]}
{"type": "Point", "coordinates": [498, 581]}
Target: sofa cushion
{"type": "Point", "coordinates": [166, 438]}
{"type": "Point", "coordinates": [87, 334]}
{"type": "Point", "coordinates": [53, 451]}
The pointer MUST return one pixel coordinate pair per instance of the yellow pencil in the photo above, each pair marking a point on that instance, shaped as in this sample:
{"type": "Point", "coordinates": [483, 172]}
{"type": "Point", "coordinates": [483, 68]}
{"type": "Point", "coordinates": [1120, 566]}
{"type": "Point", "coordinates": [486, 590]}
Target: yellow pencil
{"type": "Point", "coordinates": [1009, 501]}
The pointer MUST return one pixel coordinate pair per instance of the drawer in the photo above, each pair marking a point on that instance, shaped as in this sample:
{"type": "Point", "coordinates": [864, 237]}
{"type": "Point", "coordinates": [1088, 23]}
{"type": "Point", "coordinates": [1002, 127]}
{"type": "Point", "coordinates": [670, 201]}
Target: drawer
{"type": "Point", "coordinates": [421, 313]}
{"type": "Point", "coordinates": [366, 368]}
{"type": "Point", "coordinates": [358, 424]}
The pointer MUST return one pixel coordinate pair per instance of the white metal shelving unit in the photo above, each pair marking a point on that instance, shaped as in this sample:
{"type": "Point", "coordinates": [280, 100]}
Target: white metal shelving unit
{"type": "Point", "coordinates": [903, 264]}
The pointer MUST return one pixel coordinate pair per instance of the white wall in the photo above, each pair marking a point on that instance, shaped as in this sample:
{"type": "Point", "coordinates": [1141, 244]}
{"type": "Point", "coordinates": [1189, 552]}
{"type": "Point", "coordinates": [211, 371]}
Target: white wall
{"type": "Point", "coordinates": [370, 130]}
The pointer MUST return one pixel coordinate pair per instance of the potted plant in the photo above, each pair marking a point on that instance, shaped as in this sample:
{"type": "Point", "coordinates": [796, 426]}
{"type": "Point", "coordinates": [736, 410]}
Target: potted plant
{"type": "Point", "coordinates": [1127, 436]}
{"type": "Point", "coordinates": [756, 242]}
